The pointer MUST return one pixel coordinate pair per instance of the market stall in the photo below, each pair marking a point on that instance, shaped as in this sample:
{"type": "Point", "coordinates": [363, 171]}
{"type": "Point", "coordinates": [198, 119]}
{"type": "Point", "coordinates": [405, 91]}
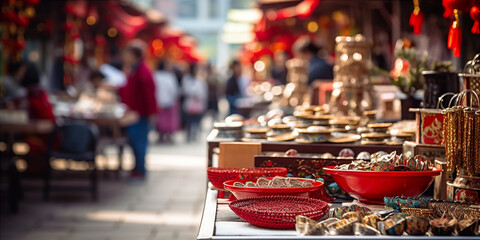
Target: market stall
{"type": "Point", "coordinates": [338, 170]}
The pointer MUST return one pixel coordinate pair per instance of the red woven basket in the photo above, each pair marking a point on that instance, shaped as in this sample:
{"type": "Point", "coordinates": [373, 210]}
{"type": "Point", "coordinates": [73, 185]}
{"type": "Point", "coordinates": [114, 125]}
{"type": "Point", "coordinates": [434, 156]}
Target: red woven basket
{"type": "Point", "coordinates": [219, 175]}
{"type": "Point", "coordinates": [278, 211]}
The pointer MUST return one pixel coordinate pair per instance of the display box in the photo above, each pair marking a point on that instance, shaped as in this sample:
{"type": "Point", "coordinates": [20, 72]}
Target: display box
{"type": "Point", "coordinates": [305, 167]}
{"type": "Point", "coordinates": [431, 152]}
{"type": "Point", "coordinates": [429, 126]}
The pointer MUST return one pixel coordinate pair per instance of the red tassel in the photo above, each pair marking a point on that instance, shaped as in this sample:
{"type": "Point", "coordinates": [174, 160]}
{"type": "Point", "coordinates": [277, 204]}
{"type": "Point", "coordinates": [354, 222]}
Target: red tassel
{"type": "Point", "coordinates": [416, 21]}
{"type": "Point", "coordinates": [475, 15]}
{"type": "Point", "coordinates": [447, 13]}
{"type": "Point", "coordinates": [455, 39]}
{"type": "Point", "coordinates": [476, 28]}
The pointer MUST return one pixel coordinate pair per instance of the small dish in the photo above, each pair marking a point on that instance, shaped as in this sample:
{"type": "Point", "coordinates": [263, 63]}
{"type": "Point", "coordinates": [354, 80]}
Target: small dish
{"type": "Point", "coordinates": [278, 129]}
{"type": "Point", "coordinates": [257, 133]}
{"type": "Point", "coordinates": [283, 137]}
{"type": "Point", "coordinates": [374, 138]}
{"type": "Point", "coordinates": [313, 134]}
{"type": "Point", "coordinates": [345, 138]}
{"type": "Point", "coordinates": [380, 127]}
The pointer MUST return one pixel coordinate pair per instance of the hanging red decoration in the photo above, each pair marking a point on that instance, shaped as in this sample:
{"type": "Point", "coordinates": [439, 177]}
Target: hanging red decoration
{"type": "Point", "coordinates": [475, 15]}
{"type": "Point", "coordinates": [23, 21]}
{"type": "Point", "coordinates": [100, 40]}
{"type": "Point", "coordinates": [455, 32]}
{"type": "Point", "coordinates": [9, 16]}
{"type": "Point", "coordinates": [455, 36]}
{"type": "Point", "coordinates": [68, 26]}
{"type": "Point", "coordinates": [416, 18]}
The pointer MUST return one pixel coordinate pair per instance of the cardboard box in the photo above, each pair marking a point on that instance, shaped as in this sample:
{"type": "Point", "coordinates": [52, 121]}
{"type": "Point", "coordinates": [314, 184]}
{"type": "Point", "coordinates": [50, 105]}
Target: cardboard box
{"type": "Point", "coordinates": [238, 154]}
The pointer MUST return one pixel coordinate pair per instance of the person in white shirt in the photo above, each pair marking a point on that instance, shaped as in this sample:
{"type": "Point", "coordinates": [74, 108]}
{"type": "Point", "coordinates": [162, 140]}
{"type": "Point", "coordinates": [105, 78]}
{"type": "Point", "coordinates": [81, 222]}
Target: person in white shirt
{"type": "Point", "coordinates": [167, 93]}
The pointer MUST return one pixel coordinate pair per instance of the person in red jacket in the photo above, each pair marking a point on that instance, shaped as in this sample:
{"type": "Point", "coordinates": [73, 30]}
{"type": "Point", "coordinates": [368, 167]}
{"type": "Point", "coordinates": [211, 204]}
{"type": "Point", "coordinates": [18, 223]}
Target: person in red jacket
{"type": "Point", "coordinates": [139, 95]}
{"type": "Point", "coordinates": [39, 108]}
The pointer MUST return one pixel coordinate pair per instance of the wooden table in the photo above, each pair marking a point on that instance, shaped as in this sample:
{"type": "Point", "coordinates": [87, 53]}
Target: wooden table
{"type": "Point", "coordinates": [220, 223]}
{"type": "Point", "coordinates": [10, 130]}
{"type": "Point", "coordinates": [309, 148]}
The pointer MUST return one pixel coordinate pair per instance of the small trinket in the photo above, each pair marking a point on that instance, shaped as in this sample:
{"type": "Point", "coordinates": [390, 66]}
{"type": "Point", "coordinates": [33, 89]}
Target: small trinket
{"type": "Point", "coordinates": [443, 226]}
{"type": "Point", "coordinates": [338, 213]}
{"type": "Point", "coordinates": [346, 153]}
{"type": "Point", "coordinates": [360, 229]}
{"type": "Point", "coordinates": [342, 227]}
{"type": "Point", "coordinates": [238, 184]}
{"type": "Point", "coordinates": [467, 227]}
{"type": "Point", "coordinates": [353, 216]}
{"type": "Point", "coordinates": [250, 184]}
{"type": "Point", "coordinates": [327, 156]}
{"type": "Point", "coordinates": [371, 220]}
{"type": "Point", "coordinates": [392, 227]}
{"type": "Point", "coordinates": [364, 156]}
{"type": "Point", "coordinates": [306, 226]}
{"type": "Point", "coordinates": [291, 153]}
{"type": "Point", "coordinates": [415, 225]}
{"type": "Point", "coordinates": [262, 182]}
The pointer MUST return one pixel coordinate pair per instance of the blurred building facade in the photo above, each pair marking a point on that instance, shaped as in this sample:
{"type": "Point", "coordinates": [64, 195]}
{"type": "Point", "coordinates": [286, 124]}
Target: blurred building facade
{"type": "Point", "coordinates": [204, 20]}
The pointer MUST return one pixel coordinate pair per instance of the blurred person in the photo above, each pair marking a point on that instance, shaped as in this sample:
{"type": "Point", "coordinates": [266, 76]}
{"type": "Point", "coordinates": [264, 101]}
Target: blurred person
{"type": "Point", "coordinates": [138, 94]}
{"type": "Point", "coordinates": [195, 91]}
{"type": "Point", "coordinates": [38, 105]}
{"type": "Point", "coordinates": [96, 80]}
{"type": "Point", "coordinates": [39, 108]}
{"type": "Point", "coordinates": [82, 74]}
{"type": "Point", "coordinates": [318, 67]}
{"type": "Point", "coordinates": [279, 69]}
{"type": "Point", "coordinates": [233, 91]}
{"type": "Point", "coordinates": [99, 89]}
{"type": "Point", "coordinates": [213, 86]}
{"type": "Point", "coordinates": [114, 76]}
{"type": "Point", "coordinates": [167, 94]}
{"type": "Point", "coordinates": [10, 84]}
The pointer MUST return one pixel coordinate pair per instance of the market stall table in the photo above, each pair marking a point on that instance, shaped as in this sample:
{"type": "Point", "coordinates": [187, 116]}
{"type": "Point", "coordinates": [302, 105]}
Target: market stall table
{"type": "Point", "coordinates": [221, 223]}
{"type": "Point", "coordinates": [309, 148]}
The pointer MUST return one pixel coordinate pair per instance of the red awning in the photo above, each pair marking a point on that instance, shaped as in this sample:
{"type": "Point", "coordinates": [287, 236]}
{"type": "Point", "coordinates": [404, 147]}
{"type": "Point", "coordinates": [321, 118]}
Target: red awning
{"type": "Point", "coordinates": [302, 10]}
{"type": "Point", "coordinates": [127, 24]}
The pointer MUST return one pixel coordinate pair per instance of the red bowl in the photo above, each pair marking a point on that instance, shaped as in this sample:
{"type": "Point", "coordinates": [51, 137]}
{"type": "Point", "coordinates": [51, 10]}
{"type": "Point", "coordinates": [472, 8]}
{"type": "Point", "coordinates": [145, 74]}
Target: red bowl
{"type": "Point", "coordinates": [219, 175]}
{"type": "Point", "coordinates": [248, 192]}
{"type": "Point", "coordinates": [372, 187]}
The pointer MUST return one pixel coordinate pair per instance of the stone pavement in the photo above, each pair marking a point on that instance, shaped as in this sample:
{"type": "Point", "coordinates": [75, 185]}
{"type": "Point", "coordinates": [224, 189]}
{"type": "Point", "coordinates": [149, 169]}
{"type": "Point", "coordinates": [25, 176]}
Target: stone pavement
{"type": "Point", "coordinates": [167, 206]}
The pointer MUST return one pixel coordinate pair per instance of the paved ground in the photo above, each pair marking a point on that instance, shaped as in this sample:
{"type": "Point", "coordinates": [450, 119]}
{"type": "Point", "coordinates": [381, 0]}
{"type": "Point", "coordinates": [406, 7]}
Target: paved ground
{"type": "Point", "coordinates": [167, 206]}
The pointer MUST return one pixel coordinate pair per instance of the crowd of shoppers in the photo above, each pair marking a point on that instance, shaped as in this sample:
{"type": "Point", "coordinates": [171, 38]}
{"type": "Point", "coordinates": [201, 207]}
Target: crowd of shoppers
{"type": "Point", "coordinates": [166, 98]}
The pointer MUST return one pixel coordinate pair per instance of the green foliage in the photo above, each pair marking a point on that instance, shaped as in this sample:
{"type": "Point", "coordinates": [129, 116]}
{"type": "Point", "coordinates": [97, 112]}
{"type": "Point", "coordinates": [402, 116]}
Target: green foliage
{"type": "Point", "coordinates": [410, 78]}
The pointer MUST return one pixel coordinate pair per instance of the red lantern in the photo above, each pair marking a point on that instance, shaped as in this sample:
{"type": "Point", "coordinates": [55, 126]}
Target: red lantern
{"type": "Point", "coordinates": [475, 15]}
